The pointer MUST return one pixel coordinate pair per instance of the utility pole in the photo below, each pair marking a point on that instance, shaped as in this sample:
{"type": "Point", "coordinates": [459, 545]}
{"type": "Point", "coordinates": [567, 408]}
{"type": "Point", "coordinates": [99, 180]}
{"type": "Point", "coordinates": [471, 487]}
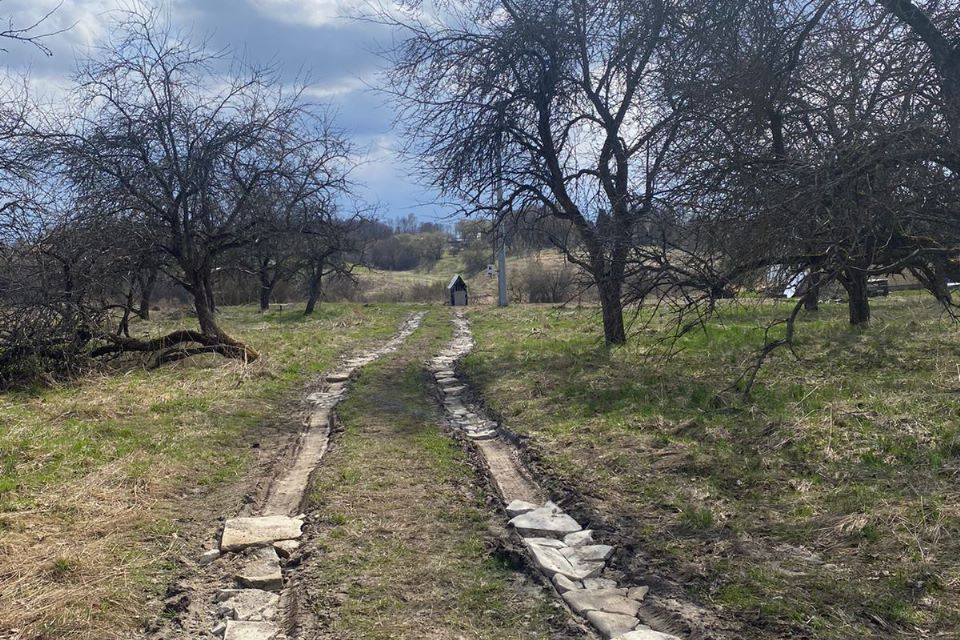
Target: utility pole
{"type": "Point", "coordinates": [501, 238]}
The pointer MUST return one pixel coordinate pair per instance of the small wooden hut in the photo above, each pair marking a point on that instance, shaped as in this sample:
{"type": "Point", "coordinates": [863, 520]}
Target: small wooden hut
{"type": "Point", "coordinates": [457, 289]}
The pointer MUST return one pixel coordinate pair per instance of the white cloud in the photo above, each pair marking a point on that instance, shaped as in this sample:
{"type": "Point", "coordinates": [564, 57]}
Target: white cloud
{"type": "Point", "coordinates": [336, 89]}
{"type": "Point", "coordinates": [315, 13]}
{"type": "Point", "coordinates": [320, 13]}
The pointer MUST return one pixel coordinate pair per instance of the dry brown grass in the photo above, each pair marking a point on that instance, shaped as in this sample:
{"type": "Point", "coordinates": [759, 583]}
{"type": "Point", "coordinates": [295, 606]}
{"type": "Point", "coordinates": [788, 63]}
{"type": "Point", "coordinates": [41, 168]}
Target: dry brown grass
{"type": "Point", "coordinates": [108, 484]}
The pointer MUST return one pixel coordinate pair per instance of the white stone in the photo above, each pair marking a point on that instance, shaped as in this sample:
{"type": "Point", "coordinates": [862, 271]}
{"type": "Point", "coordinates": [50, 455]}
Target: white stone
{"type": "Point", "coordinates": [589, 553]}
{"type": "Point", "coordinates": [251, 605]}
{"type": "Point", "coordinates": [638, 593]}
{"type": "Point", "coordinates": [240, 533]}
{"type": "Point", "coordinates": [339, 376]}
{"type": "Point", "coordinates": [599, 583]}
{"type": "Point", "coordinates": [646, 634]}
{"type": "Point", "coordinates": [553, 543]}
{"type": "Point", "coordinates": [237, 630]}
{"type": "Point", "coordinates": [262, 570]}
{"type": "Point", "coordinates": [208, 556]}
{"type": "Point", "coordinates": [551, 561]}
{"type": "Point", "coordinates": [607, 600]}
{"type": "Point", "coordinates": [286, 548]}
{"type": "Point", "coordinates": [564, 584]}
{"type": "Point", "coordinates": [578, 538]}
{"type": "Point", "coordinates": [611, 625]}
{"type": "Point", "coordinates": [225, 594]}
{"type": "Point", "coordinates": [482, 435]}
{"type": "Point", "coordinates": [545, 521]}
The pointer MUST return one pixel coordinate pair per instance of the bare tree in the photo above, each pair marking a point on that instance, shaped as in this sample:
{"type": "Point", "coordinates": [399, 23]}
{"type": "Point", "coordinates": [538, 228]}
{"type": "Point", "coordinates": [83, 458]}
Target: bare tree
{"type": "Point", "coordinates": [194, 154]}
{"type": "Point", "coordinates": [565, 104]}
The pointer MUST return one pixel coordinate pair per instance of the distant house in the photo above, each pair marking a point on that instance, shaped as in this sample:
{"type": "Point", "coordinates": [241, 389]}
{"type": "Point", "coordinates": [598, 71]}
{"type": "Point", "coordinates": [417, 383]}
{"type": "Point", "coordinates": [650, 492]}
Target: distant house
{"type": "Point", "coordinates": [458, 291]}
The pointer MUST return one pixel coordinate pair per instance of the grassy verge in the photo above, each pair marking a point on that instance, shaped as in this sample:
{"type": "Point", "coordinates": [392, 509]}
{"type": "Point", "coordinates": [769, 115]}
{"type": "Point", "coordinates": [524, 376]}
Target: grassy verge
{"type": "Point", "coordinates": [403, 539]}
{"type": "Point", "coordinates": [98, 478]}
{"type": "Point", "coordinates": [827, 507]}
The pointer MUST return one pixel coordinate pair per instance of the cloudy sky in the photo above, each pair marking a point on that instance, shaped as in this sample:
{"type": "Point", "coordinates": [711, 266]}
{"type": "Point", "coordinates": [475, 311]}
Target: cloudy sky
{"type": "Point", "coordinates": [311, 36]}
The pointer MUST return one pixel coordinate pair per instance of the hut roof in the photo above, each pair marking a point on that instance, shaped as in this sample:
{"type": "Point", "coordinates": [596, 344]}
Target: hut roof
{"type": "Point", "coordinates": [453, 281]}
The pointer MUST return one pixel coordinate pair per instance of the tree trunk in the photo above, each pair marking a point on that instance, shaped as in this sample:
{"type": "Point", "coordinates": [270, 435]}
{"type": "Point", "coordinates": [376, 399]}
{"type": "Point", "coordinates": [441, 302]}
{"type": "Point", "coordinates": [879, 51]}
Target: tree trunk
{"type": "Point", "coordinates": [201, 303]}
{"type": "Point", "coordinates": [265, 291]}
{"type": "Point", "coordinates": [207, 287]}
{"type": "Point", "coordinates": [146, 293]}
{"type": "Point", "coordinates": [811, 294]}
{"type": "Point", "coordinates": [313, 294]}
{"type": "Point", "coordinates": [855, 283]}
{"type": "Point", "coordinates": [611, 305]}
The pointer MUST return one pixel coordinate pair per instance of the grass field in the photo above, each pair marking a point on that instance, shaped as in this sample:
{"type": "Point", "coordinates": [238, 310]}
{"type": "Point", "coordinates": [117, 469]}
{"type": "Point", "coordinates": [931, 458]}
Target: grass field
{"type": "Point", "coordinates": [100, 478]}
{"type": "Point", "coordinates": [825, 507]}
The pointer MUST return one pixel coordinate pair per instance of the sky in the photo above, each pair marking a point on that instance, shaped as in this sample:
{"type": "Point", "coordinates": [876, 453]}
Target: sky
{"type": "Point", "coordinates": [312, 37]}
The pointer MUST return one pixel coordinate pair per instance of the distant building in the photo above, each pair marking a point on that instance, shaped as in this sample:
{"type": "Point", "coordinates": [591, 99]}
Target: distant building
{"type": "Point", "coordinates": [458, 291]}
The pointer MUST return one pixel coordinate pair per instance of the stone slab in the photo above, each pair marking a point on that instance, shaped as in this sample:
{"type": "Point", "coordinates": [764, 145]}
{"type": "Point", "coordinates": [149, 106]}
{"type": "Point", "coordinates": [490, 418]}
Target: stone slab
{"type": "Point", "coordinates": [240, 533]}
{"type": "Point", "coordinates": [482, 435]}
{"type": "Point", "coordinates": [564, 584]}
{"type": "Point", "coordinates": [638, 593]}
{"type": "Point", "coordinates": [253, 605]}
{"type": "Point", "coordinates": [208, 556]}
{"type": "Point", "coordinates": [607, 600]}
{"type": "Point", "coordinates": [545, 521]}
{"type": "Point", "coordinates": [578, 538]}
{"type": "Point", "coordinates": [262, 570]}
{"type": "Point", "coordinates": [611, 625]}
{"type": "Point", "coordinates": [551, 561]}
{"type": "Point", "coordinates": [286, 548]}
{"type": "Point", "coordinates": [599, 583]}
{"type": "Point", "coordinates": [553, 543]}
{"type": "Point", "coordinates": [589, 553]}
{"type": "Point", "coordinates": [646, 634]}
{"type": "Point", "coordinates": [251, 631]}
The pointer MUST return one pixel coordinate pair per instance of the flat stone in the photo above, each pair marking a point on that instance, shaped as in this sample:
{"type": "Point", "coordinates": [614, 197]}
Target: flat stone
{"type": "Point", "coordinates": [589, 553]}
{"type": "Point", "coordinates": [286, 548]}
{"type": "Point", "coordinates": [638, 593]}
{"type": "Point", "coordinates": [208, 556]}
{"type": "Point", "coordinates": [611, 625]}
{"type": "Point", "coordinates": [578, 538]}
{"type": "Point", "coordinates": [646, 634]}
{"type": "Point", "coordinates": [551, 561]}
{"type": "Point", "coordinates": [237, 630]}
{"type": "Point", "coordinates": [262, 570]}
{"type": "Point", "coordinates": [454, 391]}
{"type": "Point", "coordinates": [225, 594]}
{"type": "Point", "coordinates": [251, 605]}
{"type": "Point", "coordinates": [599, 583]}
{"type": "Point", "coordinates": [483, 435]}
{"type": "Point", "coordinates": [339, 376]}
{"type": "Point", "coordinates": [553, 543]}
{"type": "Point", "coordinates": [240, 533]}
{"type": "Point", "coordinates": [545, 521]}
{"type": "Point", "coordinates": [564, 584]}
{"type": "Point", "coordinates": [607, 600]}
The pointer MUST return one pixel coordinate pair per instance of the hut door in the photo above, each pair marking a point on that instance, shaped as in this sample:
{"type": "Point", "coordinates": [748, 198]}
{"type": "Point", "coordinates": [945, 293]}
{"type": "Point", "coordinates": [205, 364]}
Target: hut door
{"type": "Point", "coordinates": [460, 298]}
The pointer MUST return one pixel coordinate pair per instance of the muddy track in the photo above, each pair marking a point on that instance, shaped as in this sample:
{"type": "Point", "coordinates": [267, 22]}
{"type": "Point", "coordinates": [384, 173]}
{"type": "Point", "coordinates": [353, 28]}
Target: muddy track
{"type": "Point", "coordinates": [236, 589]}
{"type": "Point", "coordinates": [595, 581]}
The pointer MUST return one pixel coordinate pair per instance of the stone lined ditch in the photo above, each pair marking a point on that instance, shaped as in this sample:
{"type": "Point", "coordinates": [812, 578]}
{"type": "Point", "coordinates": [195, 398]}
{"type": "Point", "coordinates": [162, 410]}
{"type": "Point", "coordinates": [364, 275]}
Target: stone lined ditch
{"type": "Point", "coordinates": [557, 545]}
{"type": "Point", "coordinates": [249, 602]}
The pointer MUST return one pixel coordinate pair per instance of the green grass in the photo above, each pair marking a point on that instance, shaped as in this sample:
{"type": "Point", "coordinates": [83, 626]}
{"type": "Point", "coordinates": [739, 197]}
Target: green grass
{"type": "Point", "coordinates": [799, 505]}
{"type": "Point", "coordinates": [404, 542]}
{"type": "Point", "coordinates": [98, 477]}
